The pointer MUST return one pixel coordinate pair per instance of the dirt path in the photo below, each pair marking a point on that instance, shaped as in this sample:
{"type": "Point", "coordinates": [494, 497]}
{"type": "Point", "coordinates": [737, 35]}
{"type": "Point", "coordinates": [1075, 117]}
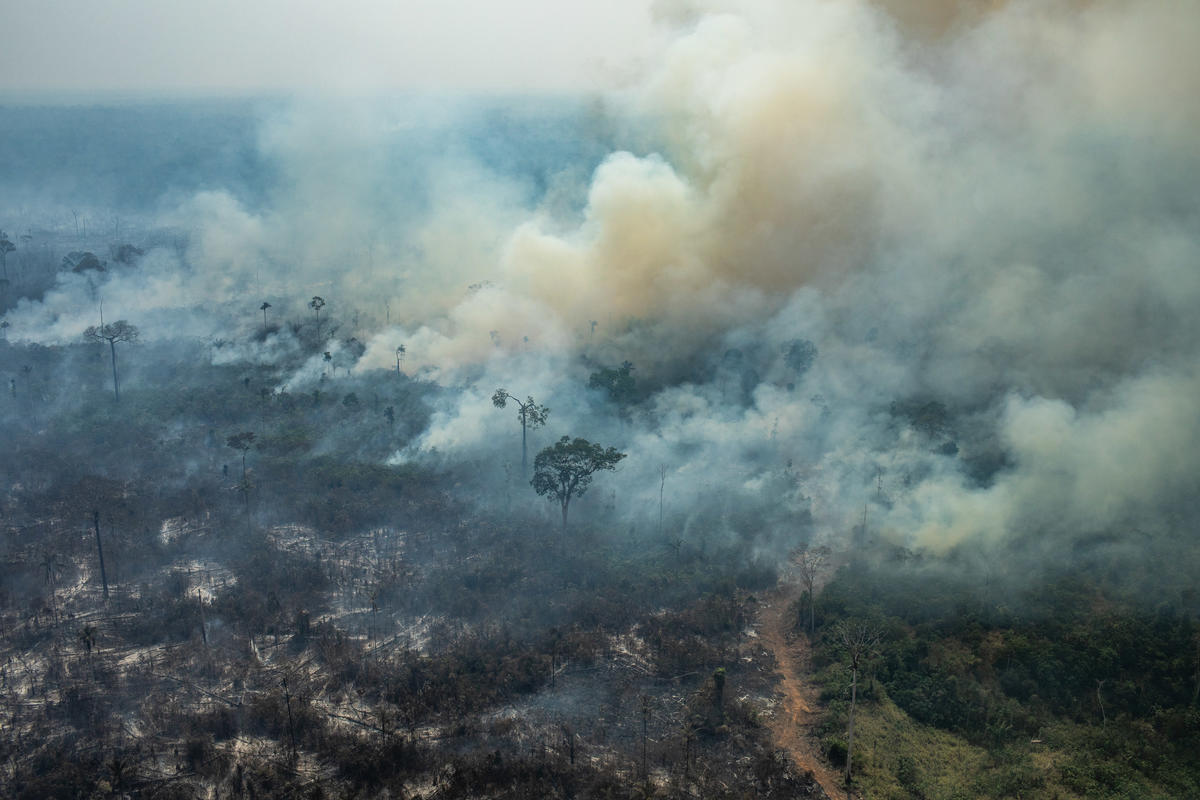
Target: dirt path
{"type": "Point", "coordinates": [792, 725]}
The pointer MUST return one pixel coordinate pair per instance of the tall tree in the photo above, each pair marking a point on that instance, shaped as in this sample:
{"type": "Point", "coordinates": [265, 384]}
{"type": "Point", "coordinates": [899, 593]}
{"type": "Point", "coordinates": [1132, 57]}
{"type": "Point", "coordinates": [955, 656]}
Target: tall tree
{"type": "Point", "coordinates": [92, 496]}
{"type": "Point", "coordinates": [6, 247]}
{"type": "Point", "coordinates": [119, 331]}
{"type": "Point", "coordinates": [858, 641]}
{"type": "Point", "coordinates": [316, 304]}
{"type": "Point", "coordinates": [811, 563]}
{"type": "Point", "coordinates": [263, 308]}
{"type": "Point", "coordinates": [100, 552]}
{"type": "Point", "coordinates": [531, 417]}
{"type": "Point", "coordinates": [243, 442]}
{"type": "Point", "coordinates": [564, 470]}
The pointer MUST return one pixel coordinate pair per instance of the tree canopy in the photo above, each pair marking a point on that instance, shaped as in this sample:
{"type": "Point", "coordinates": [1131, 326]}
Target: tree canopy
{"type": "Point", "coordinates": [113, 332]}
{"type": "Point", "coordinates": [564, 470]}
{"type": "Point", "coordinates": [617, 383]}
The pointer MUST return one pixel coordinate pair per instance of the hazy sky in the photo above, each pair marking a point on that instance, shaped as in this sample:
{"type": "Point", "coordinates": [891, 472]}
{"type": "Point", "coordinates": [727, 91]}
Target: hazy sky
{"type": "Point", "coordinates": [249, 45]}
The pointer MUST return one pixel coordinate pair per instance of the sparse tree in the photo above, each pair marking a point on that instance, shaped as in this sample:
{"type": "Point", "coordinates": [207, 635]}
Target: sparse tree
{"type": "Point", "coordinates": [645, 732]}
{"type": "Point", "coordinates": [564, 470]}
{"type": "Point", "coordinates": [119, 331]}
{"type": "Point", "coordinates": [859, 642]}
{"type": "Point", "coordinates": [531, 417]}
{"type": "Point", "coordinates": [241, 441]}
{"type": "Point", "coordinates": [316, 304]}
{"type": "Point", "coordinates": [88, 498]}
{"type": "Point", "coordinates": [811, 563]}
{"type": "Point", "coordinates": [287, 699]}
{"type": "Point", "coordinates": [662, 486]}
{"type": "Point", "coordinates": [87, 639]}
{"type": "Point", "coordinates": [100, 552]}
{"type": "Point", "coordinates": [263, 308]}
{"type": "Point", "coordinates": [6, 247]}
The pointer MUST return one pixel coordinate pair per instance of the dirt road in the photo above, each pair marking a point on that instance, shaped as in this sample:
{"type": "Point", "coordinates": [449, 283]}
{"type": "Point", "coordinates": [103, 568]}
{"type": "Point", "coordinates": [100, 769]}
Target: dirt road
{"type": "Point", "coordinates": [793, 723]}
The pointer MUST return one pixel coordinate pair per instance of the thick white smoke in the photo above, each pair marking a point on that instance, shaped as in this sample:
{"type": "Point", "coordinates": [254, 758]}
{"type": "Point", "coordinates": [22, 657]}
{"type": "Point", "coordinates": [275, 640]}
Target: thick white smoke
{"type": "Point", "coordinates": [981, 209]}
{"type": "Point", "coordinates": [987, 207]}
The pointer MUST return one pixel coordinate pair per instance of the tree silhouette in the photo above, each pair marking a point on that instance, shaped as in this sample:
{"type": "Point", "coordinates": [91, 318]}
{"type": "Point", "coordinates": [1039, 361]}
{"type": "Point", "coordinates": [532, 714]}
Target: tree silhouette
{"type": "Point", "coordinates": [811, 563]}
{"type": "Point", "coordinates": [858, 641]}
{"type": "Point", "coordinates": [263, 308]}
{"type": "Point", "coordinates": [564, 470]}
{"type": "Point", "coordinates": [531, 416]}
{"type": "Point", "coordinates": [87, 639]}
{"type": "Point", "coordinates": [6, 247]}
{"type": "Point", "coordinates": [241, 441]}
{"type": "Point", "coordinates": [316, 304]}
{"type": "Point", "coordinates": [618, 384]}
{"type": "Point", "coordinates": [119, 331]}
{"type": "Point", "coordinates": [90, 496]}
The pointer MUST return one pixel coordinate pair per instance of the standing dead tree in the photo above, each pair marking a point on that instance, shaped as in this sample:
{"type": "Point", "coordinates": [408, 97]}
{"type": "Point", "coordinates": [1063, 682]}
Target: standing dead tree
{"type": "Point", "coordinates": [859, 642]}
{"type": "Point", "coordinates": [100, 552]}
{"type": "Point", "coordinates": [811, 563]}
{"type": "Point", "coordinates": [662, 486]}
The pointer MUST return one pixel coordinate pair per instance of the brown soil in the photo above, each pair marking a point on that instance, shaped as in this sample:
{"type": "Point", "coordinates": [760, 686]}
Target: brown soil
{"type": "Point", "coordinates": [793, 725]}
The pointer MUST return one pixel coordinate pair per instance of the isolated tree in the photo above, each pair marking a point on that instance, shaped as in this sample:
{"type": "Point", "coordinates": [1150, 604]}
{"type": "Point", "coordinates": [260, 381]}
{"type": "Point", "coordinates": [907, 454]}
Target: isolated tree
{"type": "Point", "coordinates": [662, 485]}
{"type": "Point", "coordinates": [119, 331]}
{"type": "Point", "coordinates": [263, 308]}
{"type": "Point", "coordinates": [531, 417]}
{"type": "Point", "coordinates": [858, 642]}
{"type": "Point", "coordinates": [100, 552]}
{"type": "Point", "coordinates": [241, 441]}
{"type": "Point", "coordinates": [91, 496]}
{"type": "Point", "coordinates": [87, 638]}
{"type": "Point", "coordinates": [564, 470]}
{"type": "Point", "coordinates": [6, 247]}
{"type": "Point", "coordinates": [811, 563]}
{"type": "Point", "coordinates": [316, 304]}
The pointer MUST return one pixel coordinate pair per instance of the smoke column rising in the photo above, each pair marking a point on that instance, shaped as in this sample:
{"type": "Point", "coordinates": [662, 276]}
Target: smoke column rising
{"type": "Point", "coordinates": [983, 209]}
